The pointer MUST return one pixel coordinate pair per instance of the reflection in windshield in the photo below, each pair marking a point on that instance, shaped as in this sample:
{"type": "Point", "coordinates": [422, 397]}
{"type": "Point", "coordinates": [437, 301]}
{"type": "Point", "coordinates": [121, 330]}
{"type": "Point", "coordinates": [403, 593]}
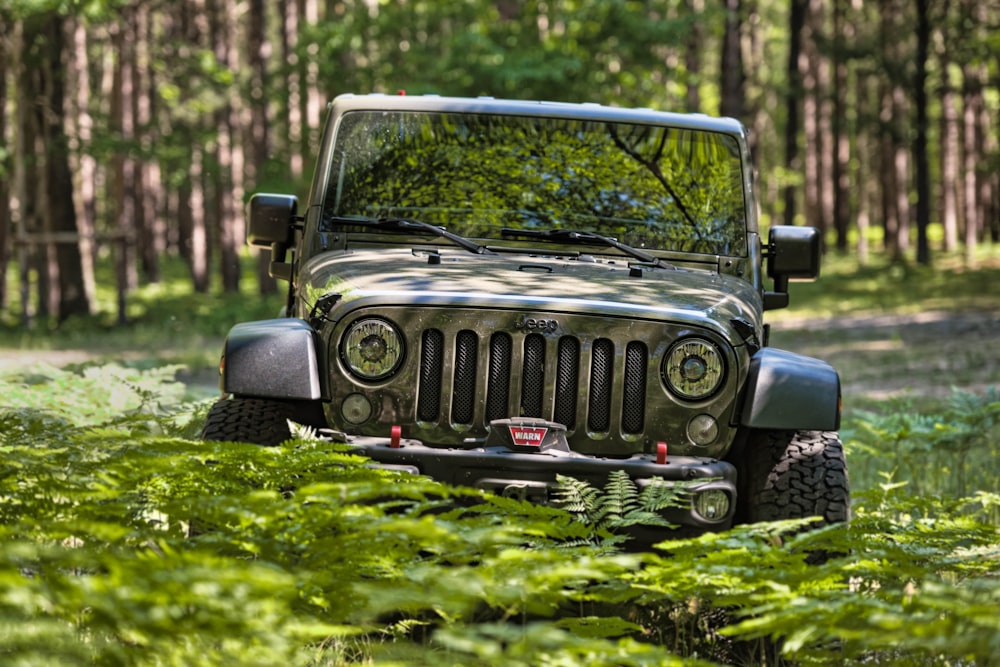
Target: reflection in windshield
{"type": "Point", "coordinates": [648, 186]}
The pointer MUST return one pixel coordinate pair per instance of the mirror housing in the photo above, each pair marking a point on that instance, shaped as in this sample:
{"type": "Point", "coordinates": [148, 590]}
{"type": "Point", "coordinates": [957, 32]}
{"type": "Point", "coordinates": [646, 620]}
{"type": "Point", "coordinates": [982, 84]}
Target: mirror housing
{"type": "Point", "coordinates": [793, 253]}
{"type": "Point", "coordinates": [272, 224]}
{"type": "Point", "coordinates": [271, 219]}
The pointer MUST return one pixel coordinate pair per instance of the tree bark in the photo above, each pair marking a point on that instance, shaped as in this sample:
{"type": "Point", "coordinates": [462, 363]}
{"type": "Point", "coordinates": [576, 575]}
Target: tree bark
{"type": "Point", "coordinates": [5, 165]}
{"type": "Point", "coordinates": [222, 209]}
{"type": "Point", "coordinates": [793, 103]}
{"type": "Point", "coordinates": [692, 55]}
{"type": "Point", "coordinates": [43, 52]}
{"type": "Point", "coordinates": [260, 124]}
{"type": "Point", "coordinates": [841, 143]}
{"type": "Point", "coordinates": [732, 80]}
{"type": "Point", "coordinates": [949, 148]}
{"type": "Point", "coordinates": [920, 158]}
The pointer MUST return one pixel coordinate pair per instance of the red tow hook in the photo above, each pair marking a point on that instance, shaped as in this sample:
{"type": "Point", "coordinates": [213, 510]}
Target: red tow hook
{"type": "Point", "coordinates": [661, 453]}
{"type": "Point", "coordinates": [395, 436]}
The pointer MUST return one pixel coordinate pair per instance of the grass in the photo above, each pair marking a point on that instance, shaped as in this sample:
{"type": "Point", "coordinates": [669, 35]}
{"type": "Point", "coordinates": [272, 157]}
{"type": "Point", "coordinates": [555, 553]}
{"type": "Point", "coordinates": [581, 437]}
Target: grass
{"type": "Point", "coordinates": [166, 323]}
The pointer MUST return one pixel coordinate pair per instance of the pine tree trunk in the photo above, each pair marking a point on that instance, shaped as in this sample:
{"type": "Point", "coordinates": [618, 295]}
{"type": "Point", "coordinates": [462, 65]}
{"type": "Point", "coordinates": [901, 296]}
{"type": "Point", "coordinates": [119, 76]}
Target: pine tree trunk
{"type": "Point", "coordinates": [692, 54]}
{"type": "Point", "coordinates": [793, 102]}
{"type": "Point", "coordinates": [221, 206]}
{"type": "Point", "coordinates": [45, 42]}
{"type": "Point", "coordinates": [732, 63]}
{"type": "Point", "coordinates": [920, 158]}
{"type": "Point", "coordinates": [260, 125]}
{"type": "Point", "coordinates": [841, 143]}
{"type": "Point", "coordinates": [949, 154]}
{"type": "Point", "coordinates": [5, 170]}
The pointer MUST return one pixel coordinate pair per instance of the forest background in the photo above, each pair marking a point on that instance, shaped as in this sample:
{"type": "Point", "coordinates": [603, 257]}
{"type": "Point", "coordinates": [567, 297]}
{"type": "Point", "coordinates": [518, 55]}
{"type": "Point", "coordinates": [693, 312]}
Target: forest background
{"type": "Point", "coordinates": [133, 132]}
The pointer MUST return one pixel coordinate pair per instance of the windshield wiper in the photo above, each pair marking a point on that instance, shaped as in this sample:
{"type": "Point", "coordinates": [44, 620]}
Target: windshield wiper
{"type": "Point", "coordinates": [578, 236]}
{"type": "Point", "coordinates": [406, 224]}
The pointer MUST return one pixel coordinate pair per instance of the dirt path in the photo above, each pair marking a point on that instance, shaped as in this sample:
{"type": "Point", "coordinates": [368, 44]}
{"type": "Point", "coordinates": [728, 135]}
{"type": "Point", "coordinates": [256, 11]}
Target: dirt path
{"type": "Point", "coordinates": [878, 356]}
{"type": "Point", "coordinates": [924, 354]}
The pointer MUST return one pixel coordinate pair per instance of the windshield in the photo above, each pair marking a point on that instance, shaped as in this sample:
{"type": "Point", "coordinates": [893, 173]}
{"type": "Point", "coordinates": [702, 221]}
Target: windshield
{"type": "Point", "coordinates": [653, 187]}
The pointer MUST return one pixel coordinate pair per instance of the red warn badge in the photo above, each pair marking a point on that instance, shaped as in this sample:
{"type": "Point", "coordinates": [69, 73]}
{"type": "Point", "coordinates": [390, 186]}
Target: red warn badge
{"type": "Point", "coordinates": [527, 436]}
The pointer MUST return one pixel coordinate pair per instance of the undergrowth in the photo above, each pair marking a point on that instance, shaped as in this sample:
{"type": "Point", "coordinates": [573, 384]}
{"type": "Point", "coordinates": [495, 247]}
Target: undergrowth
{"type": "Point", "coordinates": [126, 541]}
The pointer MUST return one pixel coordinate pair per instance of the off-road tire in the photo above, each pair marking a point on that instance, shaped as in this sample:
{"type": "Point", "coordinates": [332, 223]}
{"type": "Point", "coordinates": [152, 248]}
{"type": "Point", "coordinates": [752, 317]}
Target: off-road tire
{"type": "Point", "coordinates": [255, 420]}
{"type": "Point", "coordinates": [793, 475]}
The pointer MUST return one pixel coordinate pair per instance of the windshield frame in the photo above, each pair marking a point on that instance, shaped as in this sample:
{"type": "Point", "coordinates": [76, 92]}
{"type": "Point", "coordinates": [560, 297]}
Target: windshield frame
{"type": "Point", "coordinates": [739, 180]}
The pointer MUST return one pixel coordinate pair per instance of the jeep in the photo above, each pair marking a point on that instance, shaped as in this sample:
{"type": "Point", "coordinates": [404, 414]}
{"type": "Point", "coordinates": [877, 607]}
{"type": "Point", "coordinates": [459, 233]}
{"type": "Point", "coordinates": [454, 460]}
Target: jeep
{"type": "Point", "coordinates": [492, 293]}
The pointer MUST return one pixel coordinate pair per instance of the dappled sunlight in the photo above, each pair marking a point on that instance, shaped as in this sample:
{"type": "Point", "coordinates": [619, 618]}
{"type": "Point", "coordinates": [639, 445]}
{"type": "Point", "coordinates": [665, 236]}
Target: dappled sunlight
{"type": "Point", "coordinates": [521, 279]}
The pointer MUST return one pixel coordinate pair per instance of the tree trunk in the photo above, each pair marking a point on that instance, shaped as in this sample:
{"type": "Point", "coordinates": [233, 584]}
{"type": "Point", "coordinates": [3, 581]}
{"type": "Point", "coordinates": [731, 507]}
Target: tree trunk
{"type": "Point", "coordinates": [260, 125]}
{"type": "Point", "coordinates": [5, 168]}
{"type": "Point", "coordinates": [121, 189]}
{"type": "Point", "coordinates": [949, 149]}
{"type": "Point", "coordinates": [692, 54]}
{"type": "Point", "coordinates": [842, 32]}
{"type": "Point", "coordinates": [732, 79]}
{"type": "Point", "coordinates": [44, 49]}
{"type": "Point", "coordinates": [793, 103]}
{"type": "Point", "coordinates": [83, 164]}
{"type": "Point", "coordinates": [148, 230]}
{"type": "Point", "coordinates": [222, 208]}
{"type": "Point", "coordinates": [920, 158]}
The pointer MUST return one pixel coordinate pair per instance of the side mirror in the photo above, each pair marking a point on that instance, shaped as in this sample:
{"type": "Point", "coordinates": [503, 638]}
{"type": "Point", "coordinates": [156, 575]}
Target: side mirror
{"type": "Point", "coordinates": [271, 219]}
{"type": "Point", "coordinates": [272, 224]}
{"type": "Point", "coordinates": [793, 253]}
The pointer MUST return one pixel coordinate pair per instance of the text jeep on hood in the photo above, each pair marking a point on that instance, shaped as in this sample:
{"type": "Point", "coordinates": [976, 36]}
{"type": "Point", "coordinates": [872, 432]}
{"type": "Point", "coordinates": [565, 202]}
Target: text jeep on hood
{"type": "Point", "coordinates": [495, 292]}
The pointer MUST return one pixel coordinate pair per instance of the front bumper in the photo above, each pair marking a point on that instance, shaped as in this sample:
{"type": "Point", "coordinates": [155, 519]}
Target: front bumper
{"type": "Point", "coordinates": [531, 476]}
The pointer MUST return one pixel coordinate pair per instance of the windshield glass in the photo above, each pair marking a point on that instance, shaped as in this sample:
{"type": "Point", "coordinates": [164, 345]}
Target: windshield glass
{"type": "Point", "coordinates": [660, 188]}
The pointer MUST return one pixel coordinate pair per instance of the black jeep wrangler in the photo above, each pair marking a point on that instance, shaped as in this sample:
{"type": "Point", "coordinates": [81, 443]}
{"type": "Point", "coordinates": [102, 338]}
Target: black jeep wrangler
{"type": "Point", "coordinates": [494, 292]}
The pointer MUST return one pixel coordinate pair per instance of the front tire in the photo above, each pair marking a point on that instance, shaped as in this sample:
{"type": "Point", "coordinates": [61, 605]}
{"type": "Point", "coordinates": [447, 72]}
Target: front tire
{"type": "Point", "coordinates": [794, 475]}
{"type": "Point", "coordinates": [254, 420]}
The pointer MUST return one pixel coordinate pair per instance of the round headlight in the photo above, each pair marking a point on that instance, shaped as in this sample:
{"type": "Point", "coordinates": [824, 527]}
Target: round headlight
{"type": "Point", "coordinates": [372, 349]}
{"type": "Point", "coordinates": [693, 368]}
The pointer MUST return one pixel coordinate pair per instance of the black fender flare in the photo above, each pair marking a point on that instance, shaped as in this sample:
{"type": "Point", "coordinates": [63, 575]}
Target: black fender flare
{"type": "Point", "coordinates": [791, 391]}
{"type": "Point", "coordinates": [276, 358]}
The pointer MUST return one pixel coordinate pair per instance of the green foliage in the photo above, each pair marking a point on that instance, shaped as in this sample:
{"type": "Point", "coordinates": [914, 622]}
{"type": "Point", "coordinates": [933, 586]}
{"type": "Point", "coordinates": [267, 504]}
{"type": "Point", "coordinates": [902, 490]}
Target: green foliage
{"type": "Point", "coordinates": [125, 542]}
{"type": "Point", "coordinates": [621, 505]}
{"type": "Point", "coordinates": [949, 452]}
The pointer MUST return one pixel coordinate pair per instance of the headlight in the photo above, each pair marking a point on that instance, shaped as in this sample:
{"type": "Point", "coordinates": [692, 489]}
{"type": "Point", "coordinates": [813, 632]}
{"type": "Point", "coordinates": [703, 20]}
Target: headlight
{"type": "Point", "coordinates": [693, 368]}
{"type": "Point", "coordinates": [372, 349]}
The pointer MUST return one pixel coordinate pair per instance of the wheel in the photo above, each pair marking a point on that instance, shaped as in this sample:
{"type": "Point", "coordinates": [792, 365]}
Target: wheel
{"type": "Point", "coordinates": [793, 475]}
{"type": "Point", "coordinates": [255, 420]}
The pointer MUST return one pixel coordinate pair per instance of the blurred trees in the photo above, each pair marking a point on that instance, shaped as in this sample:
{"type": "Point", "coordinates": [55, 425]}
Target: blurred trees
{"type": "Point", "coordinates": [136, 128]}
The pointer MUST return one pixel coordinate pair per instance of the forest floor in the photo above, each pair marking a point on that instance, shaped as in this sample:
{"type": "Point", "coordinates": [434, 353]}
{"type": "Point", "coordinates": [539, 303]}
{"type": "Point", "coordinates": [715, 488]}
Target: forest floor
{"type": "Point", "coordinates": [922, 355]}
{"type": "Point", "coordinates": [883, 356]}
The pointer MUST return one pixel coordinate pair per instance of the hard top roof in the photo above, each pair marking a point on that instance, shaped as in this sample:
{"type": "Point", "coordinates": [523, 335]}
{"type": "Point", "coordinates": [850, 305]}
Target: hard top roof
{"type": "Point", "coordinates": [491, 105]}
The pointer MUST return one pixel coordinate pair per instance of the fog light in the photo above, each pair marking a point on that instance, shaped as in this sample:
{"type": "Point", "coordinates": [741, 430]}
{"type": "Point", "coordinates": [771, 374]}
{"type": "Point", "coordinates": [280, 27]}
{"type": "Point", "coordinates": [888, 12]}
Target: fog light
{"type": "Point", "coordinates": [356, 409]}
{"type": "Point", "coordinates": [711, 504]}
{"type": "Point", "coordinates": [703, 430]}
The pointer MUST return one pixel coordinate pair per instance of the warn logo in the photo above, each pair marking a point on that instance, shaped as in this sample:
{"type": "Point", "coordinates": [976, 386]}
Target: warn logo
{"type": "Point", "coordinates": [527, 436]}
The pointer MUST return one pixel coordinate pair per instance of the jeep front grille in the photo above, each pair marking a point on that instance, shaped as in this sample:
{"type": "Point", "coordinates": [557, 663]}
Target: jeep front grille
{"type": "Point", "coordinates": [518, 382]}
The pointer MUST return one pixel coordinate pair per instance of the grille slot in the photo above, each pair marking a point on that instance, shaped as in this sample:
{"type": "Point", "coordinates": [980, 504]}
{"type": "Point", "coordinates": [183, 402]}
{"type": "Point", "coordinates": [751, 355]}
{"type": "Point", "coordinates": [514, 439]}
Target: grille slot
{"type": "Point", "coordinates": [431, 363]}
{"type": "Point", "coordinates": [601, 374]}
{"type": "Point", "coordinates": [463, 396]}
{"type": "Point", "coordinates": [567, 382]}
{"type": "Point", "coordinates": [533, 376]}
{"type": "Point", "coordinates": [634, 395]}
{"type": "Point", "coordinates": [498, 391]}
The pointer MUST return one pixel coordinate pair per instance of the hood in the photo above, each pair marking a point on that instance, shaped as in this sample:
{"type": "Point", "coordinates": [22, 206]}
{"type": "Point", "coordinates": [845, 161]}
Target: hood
{"type": "Point", "coordinates": [401, 276]}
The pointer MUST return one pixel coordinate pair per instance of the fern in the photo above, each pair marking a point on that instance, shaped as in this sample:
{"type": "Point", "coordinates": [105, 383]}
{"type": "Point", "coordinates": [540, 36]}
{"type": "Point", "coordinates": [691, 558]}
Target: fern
{"type": "Point", "coordinates": [620, 505]}
{"type": "Point", "coordinates": [123, 542]}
